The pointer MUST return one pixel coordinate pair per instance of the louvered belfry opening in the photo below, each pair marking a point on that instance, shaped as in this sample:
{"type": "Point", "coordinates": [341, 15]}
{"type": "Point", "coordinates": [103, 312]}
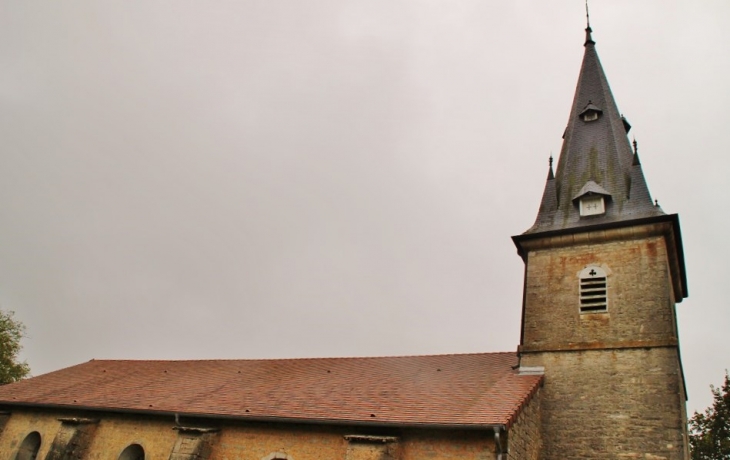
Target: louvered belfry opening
{"type": "Point", "coordinates": [593, 290]}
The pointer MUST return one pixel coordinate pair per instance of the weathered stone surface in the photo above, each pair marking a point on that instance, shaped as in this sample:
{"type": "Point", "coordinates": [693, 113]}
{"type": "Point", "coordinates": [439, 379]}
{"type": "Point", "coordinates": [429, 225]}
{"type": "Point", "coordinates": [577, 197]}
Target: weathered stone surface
{"type": "Point", "coordinates": [4, 417]}
{"type": "Point", "coordinates": [72, 439]}
{"type": "Point", "coordinates": [640, 300]}
{"type": "Point", "coordinates": [447, 445]}
{"type": "Point", "coordinates": [245, 441]}
{"type": "Point", "coordinates": [372, 448]}
{"type": "Point", "coordinates": [21, 424]}
{"type": "Point", "coordinates": [613, 381]}
{"type": "Point", "coordinates": [524, 438]}
{"type": "Point", "coordinates": [193, 444]}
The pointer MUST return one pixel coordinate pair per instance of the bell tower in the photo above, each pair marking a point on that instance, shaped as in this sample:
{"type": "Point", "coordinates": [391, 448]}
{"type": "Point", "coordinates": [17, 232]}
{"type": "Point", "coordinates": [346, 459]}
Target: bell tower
{"type": "Point", "coordinates": [604, 268]}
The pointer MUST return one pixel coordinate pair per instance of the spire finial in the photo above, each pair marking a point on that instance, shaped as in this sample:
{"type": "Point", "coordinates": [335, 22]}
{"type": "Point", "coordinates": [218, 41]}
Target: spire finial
{"type": "Point", "coordinates": [589, 38]}
{"type": "Point", "coordinates": [550, 172]}
{"type": "Point", "coordinates": [636, 161]}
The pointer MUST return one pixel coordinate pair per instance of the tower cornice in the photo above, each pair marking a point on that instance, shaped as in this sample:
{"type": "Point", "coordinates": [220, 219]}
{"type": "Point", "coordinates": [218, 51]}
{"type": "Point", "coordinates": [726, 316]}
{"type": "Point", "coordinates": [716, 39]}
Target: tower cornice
{"type": "Point", "coordinates": [666, 225]}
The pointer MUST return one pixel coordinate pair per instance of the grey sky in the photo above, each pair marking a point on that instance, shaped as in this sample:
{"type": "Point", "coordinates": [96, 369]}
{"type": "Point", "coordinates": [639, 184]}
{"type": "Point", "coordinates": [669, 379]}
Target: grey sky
{"type": "Point", "coordinates": [255, 179]}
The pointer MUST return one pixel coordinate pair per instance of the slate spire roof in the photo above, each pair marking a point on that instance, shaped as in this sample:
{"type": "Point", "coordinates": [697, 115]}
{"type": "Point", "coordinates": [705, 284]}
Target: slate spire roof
{"type": "Point", "coordinates": [596, 155]}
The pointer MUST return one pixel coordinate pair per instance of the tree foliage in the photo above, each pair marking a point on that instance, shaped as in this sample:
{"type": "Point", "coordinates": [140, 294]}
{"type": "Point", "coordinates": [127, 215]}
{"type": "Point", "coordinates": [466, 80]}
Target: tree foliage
{"type": "Point", "coordinates": [709, 437]}
{"type": "Point", "coordinates": [11, 332]}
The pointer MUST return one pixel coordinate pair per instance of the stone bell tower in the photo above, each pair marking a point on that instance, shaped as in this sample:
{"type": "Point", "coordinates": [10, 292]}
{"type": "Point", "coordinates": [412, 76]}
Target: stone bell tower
{"type": "Point", "coordinates": [603, 270]}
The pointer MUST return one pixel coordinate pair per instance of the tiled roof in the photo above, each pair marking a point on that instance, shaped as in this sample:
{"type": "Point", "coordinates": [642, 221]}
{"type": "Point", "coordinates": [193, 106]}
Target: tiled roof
{"type": "Point", "coordinates": [463, 390]}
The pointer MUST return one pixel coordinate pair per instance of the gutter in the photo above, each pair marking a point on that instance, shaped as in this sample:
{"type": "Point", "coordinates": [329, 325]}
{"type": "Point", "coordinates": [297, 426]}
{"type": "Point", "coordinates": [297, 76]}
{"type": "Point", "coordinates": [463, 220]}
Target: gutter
{"type": "Point", "coordinates": [287, 420]}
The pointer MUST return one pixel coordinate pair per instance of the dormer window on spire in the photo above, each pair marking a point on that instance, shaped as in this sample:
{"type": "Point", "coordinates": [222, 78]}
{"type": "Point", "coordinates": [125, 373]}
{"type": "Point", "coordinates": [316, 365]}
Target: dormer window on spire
{"type": "Point", "coordinates": [591, 112]}
{"type": "Point", "coordinates": [591, 199]}
{"type": "Point", "coordinates": [592, 205]}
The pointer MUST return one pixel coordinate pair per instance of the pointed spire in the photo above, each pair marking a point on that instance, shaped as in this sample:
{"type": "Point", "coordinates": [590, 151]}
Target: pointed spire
{"type": "Point", "coordinates": [595, 148]}
{"type": "Point", "coordinates": [589, 38]}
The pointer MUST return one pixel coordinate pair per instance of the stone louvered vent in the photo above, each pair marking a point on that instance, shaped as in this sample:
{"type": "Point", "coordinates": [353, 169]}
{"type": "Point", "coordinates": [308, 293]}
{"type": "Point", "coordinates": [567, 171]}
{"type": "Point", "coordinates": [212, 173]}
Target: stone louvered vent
{"type": "Point", "coordinates": [593, 290]}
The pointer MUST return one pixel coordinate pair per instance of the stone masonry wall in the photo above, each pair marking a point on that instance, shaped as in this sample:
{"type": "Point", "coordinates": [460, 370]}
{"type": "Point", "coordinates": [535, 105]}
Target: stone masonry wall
{"type": "Point", "coordinates": [612, 404]}
{"type": "Point", "coordinates": [447, 445]}
{"type": "Point", "coordinates": [72, 439]}
{"type": "Point", "coordinates": [372, 448]}
{"type": "Point", "coordinates": [257, 442]}
{"type": "Point", "coordinates": [524, 439]}
{"type": "Point", "coordinates": [613, 382]}
{"type": "Point", "coordinates": [161, 439]}
{"type": "Point", "coordinates": [193, 444]}
{"type": "Point", "coordinates": [640, 301]}
{"type": "Point", "coordinates": [4, 417]}
{"type": "Point", "coordinates": [20, 425]}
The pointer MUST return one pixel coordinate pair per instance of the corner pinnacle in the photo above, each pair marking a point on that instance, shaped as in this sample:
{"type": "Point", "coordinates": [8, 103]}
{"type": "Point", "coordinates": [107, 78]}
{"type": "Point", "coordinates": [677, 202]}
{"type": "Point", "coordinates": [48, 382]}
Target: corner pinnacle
{"type": "Point", "coordinates": [551, 176]}
{"type": "Point", "coordinates": [636, 161]}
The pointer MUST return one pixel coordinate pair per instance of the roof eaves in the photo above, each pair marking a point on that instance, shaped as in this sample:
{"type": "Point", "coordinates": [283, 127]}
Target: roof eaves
{"type": "Point", "coordinates": [527, 399]}
{"type": "Point", "coordinates": [288, 420]}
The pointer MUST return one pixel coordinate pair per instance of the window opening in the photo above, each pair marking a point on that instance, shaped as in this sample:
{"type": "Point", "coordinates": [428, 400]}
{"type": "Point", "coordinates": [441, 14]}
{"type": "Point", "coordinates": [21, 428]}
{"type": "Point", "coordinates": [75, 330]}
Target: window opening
{"type": "Point", "coordinates": [132, 452]}
{"type": "Point", "coordinates": [592, 205]}
{"type": "Point", "coordinates": [277, 456]}
{"type": "Point", "coordinates": [590, 116]}
{"type": "Point", "coordinates": [591, 112]}
{"type": "Point", "coordinates": [593, 289]}
{"type": "Point", "coordinates": [28, 449]}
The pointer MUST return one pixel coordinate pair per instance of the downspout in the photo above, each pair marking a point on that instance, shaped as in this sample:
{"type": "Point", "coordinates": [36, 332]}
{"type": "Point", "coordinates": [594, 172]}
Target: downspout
{"type": "Point", "coordinates": [501, 452]}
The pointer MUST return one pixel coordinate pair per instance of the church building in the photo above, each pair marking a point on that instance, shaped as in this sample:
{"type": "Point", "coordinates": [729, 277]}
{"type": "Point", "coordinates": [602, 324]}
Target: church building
{"type": "Point", "coordinates": [597, 373]}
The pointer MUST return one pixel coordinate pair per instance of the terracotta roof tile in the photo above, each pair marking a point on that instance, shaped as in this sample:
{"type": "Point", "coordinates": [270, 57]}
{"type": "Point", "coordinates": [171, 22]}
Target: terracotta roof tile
{"type": "Point", "coordinates": [467, 389]}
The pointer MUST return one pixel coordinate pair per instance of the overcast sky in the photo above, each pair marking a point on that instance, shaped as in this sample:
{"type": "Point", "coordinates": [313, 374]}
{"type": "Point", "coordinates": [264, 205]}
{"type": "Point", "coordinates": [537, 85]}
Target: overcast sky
{"type": "Point", "coordinates": [268, 179]}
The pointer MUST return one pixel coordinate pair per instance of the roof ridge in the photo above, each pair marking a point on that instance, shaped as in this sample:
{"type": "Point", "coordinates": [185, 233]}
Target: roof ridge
{"type": "Point", "coordinates": [313, 358]}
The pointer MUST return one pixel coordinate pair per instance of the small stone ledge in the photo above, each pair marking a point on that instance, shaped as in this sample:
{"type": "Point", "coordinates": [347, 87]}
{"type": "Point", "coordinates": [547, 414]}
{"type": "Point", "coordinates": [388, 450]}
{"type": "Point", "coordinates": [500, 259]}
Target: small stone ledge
{"type": "Point", "coordinates": [586, 346]}
{"type": "Point", "coordinates": [370, 438]}
{"type": "Point", "coordinates": [195, 429]}
{"type": "Point", "coordinates": [531, 370]}
{"type": "Point", "coordinates": [78, 420]}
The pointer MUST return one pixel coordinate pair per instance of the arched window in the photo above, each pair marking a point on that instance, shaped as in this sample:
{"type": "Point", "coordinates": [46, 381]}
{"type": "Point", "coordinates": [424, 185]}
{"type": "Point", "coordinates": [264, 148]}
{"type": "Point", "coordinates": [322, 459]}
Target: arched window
{"type": "Point", "coordinates": [593, 290]}
{"type": "Point", "coordinates": [29, 447]}
{"type": "Point", "coordinates": [277, 456]}
{"type": "Point", "coordinates": [132, 452]}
